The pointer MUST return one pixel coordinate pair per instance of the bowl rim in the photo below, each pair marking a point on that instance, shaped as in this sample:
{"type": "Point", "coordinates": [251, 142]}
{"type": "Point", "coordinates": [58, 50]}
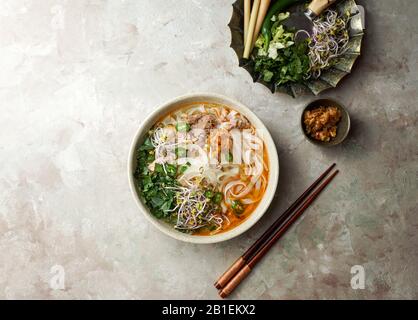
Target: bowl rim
{"type": "Point", "coordinates": [322, 143]}
{"type": "Point", "coordinates": [273, 168]}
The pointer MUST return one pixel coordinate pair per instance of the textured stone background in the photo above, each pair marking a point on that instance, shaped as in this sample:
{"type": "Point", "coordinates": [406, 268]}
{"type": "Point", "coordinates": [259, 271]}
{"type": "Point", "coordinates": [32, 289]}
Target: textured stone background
{"type": "Point", "coordinates": [77, 77]}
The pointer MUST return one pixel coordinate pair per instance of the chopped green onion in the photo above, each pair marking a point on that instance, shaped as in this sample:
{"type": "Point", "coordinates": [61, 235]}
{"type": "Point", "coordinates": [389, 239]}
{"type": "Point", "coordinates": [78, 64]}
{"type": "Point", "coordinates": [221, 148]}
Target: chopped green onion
{"type": "Point", "coordinates": [237, 206]}
{"type": "Point", "coordinates": [217, 198]}
{"type": "Point", "coordinates": [171, 170]}
{"type": "Point", "coordinates": [209, 194]}
{"type": "Point", "coordinates": [183, 127]}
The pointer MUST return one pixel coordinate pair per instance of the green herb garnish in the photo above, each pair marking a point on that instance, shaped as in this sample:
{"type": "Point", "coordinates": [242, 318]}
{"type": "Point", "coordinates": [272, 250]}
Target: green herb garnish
{"type": "Point", "coordinates": [182, 169]}
{"type": "Point", "coordinates": [281, 60]}
{"type": "Point", "coordinates": [153, 184]}
{"type": "Point", "coordinates": [183, 127]}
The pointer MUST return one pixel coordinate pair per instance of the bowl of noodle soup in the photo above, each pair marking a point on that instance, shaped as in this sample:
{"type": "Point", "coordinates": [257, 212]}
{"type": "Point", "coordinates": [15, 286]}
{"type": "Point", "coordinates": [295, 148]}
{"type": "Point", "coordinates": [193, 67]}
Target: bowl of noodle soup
{"type": "Point", "coordinates": [203, 168]}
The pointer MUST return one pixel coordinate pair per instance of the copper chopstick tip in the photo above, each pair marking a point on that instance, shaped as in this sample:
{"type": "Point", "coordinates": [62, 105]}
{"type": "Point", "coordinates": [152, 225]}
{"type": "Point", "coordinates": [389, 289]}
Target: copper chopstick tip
{"type": "Point", "coordinates": [231, 272]}
{"type": "Point", "coordinates": [222, 294]}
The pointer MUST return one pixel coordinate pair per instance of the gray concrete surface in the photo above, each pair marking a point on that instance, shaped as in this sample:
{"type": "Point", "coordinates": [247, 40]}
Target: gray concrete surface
{"type": "Point", "coordinates": [77, 78]}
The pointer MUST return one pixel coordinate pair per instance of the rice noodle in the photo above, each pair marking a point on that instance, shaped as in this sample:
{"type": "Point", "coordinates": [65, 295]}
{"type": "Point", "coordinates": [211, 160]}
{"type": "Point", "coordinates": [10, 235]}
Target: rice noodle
{"type": "Point", "coordinates": [258, 184]}
{"type": "Point", "coordinates": [224, 208]}
{"type": "Point", "coordinates": [231, 185]}
{"type": "Point", "coordinates": [247, 201]}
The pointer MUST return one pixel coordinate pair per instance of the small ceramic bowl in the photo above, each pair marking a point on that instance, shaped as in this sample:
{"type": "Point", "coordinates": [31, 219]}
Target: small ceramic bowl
{"type": "Point", "coordinates": [343, 127]}
{"type": "Point", "coordinates": [255, 121]}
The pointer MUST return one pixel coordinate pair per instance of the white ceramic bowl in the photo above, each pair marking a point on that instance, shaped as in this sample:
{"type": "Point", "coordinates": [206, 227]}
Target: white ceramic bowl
{"type": "Point", "coordinates": [255, 121]}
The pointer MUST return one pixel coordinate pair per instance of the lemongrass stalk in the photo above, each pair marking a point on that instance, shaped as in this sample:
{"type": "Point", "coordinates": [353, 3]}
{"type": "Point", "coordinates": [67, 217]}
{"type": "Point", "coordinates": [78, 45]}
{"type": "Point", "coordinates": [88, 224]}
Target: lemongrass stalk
{"type": "Point", "coordinates": [247, 12]}
{"type": "Point", "coordinates": [260, 18]}
{"type": "Point", "coordinates": [251, 27]}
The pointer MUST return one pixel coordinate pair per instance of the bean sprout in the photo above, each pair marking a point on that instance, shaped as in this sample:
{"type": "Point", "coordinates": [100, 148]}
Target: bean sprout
{"type": "Point", "coordinates": [329, 40]}
{"type": "Point", "coordinates": [193, 209]}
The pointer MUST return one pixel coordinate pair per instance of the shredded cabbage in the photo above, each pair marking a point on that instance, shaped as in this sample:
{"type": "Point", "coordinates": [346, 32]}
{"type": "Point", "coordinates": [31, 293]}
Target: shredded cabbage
{"type": "Point", "coordinates": [280, 38]}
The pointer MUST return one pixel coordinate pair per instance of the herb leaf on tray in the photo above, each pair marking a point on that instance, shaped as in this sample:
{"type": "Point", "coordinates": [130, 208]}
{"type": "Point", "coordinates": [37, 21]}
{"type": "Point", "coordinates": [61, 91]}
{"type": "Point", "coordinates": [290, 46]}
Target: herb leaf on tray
{"type": "Point", "coordinates": [281, 60]}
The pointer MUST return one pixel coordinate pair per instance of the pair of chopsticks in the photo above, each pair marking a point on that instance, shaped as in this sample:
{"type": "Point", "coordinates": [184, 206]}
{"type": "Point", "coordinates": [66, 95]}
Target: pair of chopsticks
{"type": "Point", "coordinates": [243, 266]}
{"type": "Point", "coordinates": [252, 22]}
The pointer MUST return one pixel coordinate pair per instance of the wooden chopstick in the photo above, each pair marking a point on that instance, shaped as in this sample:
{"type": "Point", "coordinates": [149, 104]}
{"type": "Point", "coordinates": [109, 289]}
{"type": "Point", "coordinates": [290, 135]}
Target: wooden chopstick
{"type": "Point", "coordinates": [246, 269]}
{"type": "Point", "coordinates": [238, 264]}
